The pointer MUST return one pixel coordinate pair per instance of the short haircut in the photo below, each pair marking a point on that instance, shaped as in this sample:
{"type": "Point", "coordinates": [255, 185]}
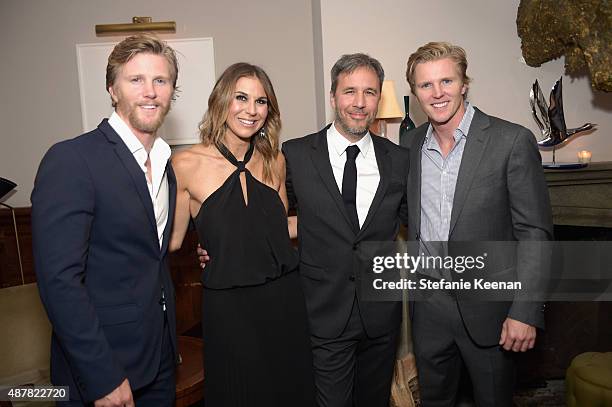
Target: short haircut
{"type": "Point", "coordinates": [350, 62]}
{"type": "Point", "coordinates": [137, 44]}
{"type": "Point", "coordinates": [434, 51]}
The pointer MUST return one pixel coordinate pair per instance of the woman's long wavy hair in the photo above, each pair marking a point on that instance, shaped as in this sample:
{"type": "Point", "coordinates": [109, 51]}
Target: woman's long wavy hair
{"type": "Point", "coordinates": [213, 125]}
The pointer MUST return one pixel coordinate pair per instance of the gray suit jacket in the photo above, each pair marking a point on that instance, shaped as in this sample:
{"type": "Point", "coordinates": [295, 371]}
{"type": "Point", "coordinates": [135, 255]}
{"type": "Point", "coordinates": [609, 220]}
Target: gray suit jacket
{"type": "Point", "coordinates": [501, 195]}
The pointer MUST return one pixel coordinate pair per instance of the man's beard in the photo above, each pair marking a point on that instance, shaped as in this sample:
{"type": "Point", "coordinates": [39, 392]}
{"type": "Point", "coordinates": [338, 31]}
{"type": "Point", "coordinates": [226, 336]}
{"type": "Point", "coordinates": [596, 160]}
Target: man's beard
{"type": "Point", "coordinates": [354, 131]}
{"type": "Point", "coordinates": [146, 126]}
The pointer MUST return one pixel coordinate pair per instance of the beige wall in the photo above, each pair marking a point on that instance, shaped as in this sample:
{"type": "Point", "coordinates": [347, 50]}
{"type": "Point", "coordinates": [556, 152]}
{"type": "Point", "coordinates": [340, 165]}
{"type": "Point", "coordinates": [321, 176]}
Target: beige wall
{"type": "Point", "coordinates": [38, 73]}
{"type": "Point", "coordinates": [392, 29]}
{"type": "Point", "coordinates": [296, 41]}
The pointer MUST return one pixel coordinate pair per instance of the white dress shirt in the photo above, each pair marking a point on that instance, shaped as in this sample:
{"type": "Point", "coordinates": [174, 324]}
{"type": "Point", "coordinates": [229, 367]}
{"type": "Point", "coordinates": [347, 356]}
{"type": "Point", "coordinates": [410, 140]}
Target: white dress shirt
{"type": "Point", "coordinates": [159, 155]}
{"type": "Point", "coordinates": [368, 176]}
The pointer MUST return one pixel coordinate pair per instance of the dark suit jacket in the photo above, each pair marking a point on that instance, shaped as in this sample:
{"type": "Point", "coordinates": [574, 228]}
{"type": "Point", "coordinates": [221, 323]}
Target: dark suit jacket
{"type": "Point", "coordinates": [99, 266]}
{"type": "Point", "coordinates": [501, 195]}
{"type": "Point", "coordinates": [328, 245]}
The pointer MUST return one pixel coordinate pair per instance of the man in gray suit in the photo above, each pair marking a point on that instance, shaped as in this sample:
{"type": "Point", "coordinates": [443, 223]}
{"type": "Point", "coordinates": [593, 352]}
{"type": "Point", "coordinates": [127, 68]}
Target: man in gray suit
{"type": "Point", "coordinates": [473, 177]}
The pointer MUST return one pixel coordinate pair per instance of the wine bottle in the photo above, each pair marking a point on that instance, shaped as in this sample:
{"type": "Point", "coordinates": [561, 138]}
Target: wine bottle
{"type": "Point", "coordinates": [407, 124]}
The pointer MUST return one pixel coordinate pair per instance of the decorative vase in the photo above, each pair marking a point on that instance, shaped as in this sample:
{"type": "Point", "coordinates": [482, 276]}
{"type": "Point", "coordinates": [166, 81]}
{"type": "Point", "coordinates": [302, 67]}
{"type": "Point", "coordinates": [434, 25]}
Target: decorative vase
{"type": "Point", "coordinates": [407, 124]}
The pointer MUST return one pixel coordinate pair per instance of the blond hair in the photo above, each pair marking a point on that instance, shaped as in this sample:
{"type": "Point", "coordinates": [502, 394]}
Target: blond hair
{"type": "Point", "coordinates": [137, 44]}
{"type": "Point", "coordinates": [434, 51]}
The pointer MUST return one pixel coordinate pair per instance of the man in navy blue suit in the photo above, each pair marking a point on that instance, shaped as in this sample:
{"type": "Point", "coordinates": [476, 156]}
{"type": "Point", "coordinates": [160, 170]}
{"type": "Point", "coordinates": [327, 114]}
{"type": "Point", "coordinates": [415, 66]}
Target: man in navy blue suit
{"type": "Point", "coordinates": [102, 210]}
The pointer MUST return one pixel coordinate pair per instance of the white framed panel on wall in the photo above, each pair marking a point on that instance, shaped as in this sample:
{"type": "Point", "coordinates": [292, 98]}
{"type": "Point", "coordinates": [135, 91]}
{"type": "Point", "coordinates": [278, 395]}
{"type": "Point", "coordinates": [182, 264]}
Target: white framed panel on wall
{"type": "Point", "coordinates": [195, 82]}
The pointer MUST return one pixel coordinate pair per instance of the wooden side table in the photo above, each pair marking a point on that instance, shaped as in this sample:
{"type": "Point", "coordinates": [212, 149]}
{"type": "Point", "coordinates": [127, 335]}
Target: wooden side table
{"type": "Point", "coordinates": [190, 373]}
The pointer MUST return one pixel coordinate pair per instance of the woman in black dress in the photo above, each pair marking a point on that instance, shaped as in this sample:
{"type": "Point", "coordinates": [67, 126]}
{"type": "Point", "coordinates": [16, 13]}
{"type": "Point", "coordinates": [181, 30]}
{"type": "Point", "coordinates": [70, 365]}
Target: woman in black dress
{"type": "Point", "coordinates": [256, 340]}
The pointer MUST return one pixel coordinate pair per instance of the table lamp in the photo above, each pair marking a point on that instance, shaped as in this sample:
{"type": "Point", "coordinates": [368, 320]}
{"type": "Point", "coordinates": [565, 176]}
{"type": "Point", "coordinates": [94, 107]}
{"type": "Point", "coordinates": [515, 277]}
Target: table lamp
{"type": "Point", "coordinates": [388, 108]}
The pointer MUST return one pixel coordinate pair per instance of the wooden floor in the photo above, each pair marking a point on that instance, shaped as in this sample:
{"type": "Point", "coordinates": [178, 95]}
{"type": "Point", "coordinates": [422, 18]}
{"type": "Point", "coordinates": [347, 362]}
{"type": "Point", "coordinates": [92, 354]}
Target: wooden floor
{"type": "Point", "coordinates": [550, 394]}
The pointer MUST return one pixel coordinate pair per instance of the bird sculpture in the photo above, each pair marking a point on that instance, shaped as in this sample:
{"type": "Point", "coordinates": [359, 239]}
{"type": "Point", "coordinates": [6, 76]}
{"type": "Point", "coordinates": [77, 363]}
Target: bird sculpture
{"type": "Point", "coordinates": [552, 120]}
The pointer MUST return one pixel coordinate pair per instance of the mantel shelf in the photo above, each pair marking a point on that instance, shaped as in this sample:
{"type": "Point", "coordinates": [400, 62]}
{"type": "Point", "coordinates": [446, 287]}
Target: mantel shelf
{"type": "Point", "coordinates": [581, 197]}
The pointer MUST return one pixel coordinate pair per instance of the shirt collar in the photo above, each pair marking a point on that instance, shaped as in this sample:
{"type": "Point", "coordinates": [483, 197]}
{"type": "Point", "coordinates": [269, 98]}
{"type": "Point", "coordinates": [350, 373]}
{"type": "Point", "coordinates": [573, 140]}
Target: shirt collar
{"type": "Point", "coordinates": [160, 148]}
{"type": "Point", "coordinates": [461, 131]}
{"type": "Point", "coordinates": [339, 143]}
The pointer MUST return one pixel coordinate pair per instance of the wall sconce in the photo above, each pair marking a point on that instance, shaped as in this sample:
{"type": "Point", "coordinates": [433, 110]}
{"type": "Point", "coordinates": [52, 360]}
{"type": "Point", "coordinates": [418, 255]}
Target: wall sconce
{"type": "Point", "coordinates": [138, 24]}
{"type": "Point", "coordinates": [7, 186]}
{"type": "Point", "coordinates": [388, 108]}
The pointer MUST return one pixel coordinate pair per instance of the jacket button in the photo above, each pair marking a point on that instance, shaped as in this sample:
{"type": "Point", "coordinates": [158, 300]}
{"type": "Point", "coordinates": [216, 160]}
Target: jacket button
{"type": "Point", "coordinates": [351, 278]}
{"type": "Point", "coordinates": [355, 247]}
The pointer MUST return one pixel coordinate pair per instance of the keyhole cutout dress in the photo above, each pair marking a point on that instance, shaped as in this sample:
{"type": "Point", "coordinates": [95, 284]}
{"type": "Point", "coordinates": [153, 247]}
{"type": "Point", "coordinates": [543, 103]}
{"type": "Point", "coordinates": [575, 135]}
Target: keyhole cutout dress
{"type": "Point", "coordinates": [255, 330]}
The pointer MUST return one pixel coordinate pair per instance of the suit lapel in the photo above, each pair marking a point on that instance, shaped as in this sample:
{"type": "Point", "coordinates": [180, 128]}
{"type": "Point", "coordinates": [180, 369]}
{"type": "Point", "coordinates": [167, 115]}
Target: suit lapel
{"type": "Point", "coordinates": [171, 206]}
{"type": "Point", "coordinates": [384, 168]}
{"type": "Point", "coordinates": [133, 169]}
{"type": "Point", "coordinates": [414, 181]}
{"type": "Point", "coordinates": [320, 158]}
{"type": "Point", "coordinates": [472, 154]}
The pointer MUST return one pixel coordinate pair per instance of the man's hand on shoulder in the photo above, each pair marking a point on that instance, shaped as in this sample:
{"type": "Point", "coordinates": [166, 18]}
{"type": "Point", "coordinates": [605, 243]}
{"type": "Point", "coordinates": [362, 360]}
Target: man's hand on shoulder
{"type": "Point", "coordinates": [121, 396]}
{"type": "Point", "coordinates": [517, 336]}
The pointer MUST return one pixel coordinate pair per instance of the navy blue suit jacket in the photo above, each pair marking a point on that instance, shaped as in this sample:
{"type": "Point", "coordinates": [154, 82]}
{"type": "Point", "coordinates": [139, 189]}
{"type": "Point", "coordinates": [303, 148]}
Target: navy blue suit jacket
{"type": "Point", "coordinates": [99, 266]}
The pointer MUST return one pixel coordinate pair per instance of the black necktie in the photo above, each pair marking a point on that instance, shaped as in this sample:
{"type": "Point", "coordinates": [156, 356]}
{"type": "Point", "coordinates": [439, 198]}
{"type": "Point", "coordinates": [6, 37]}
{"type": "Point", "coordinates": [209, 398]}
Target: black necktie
{"type": "Point", "coordinates": [349, 185]}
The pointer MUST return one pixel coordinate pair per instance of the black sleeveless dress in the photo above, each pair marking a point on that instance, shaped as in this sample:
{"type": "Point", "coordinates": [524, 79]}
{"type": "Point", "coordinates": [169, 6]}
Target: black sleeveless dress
{"type": "Point", "coordinates": [256, 340]}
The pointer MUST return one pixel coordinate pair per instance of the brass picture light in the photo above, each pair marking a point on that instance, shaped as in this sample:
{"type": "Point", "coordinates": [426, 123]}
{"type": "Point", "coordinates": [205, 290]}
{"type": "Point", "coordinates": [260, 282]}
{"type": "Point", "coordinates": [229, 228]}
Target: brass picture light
{"type": "Point", "coordinates": [138, 24]}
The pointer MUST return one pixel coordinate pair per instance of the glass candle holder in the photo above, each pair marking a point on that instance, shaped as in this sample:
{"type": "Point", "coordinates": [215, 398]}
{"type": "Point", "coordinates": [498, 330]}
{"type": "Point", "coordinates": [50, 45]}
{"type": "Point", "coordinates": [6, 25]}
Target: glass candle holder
{"type": "Point", "coordinates": [584, 156]}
